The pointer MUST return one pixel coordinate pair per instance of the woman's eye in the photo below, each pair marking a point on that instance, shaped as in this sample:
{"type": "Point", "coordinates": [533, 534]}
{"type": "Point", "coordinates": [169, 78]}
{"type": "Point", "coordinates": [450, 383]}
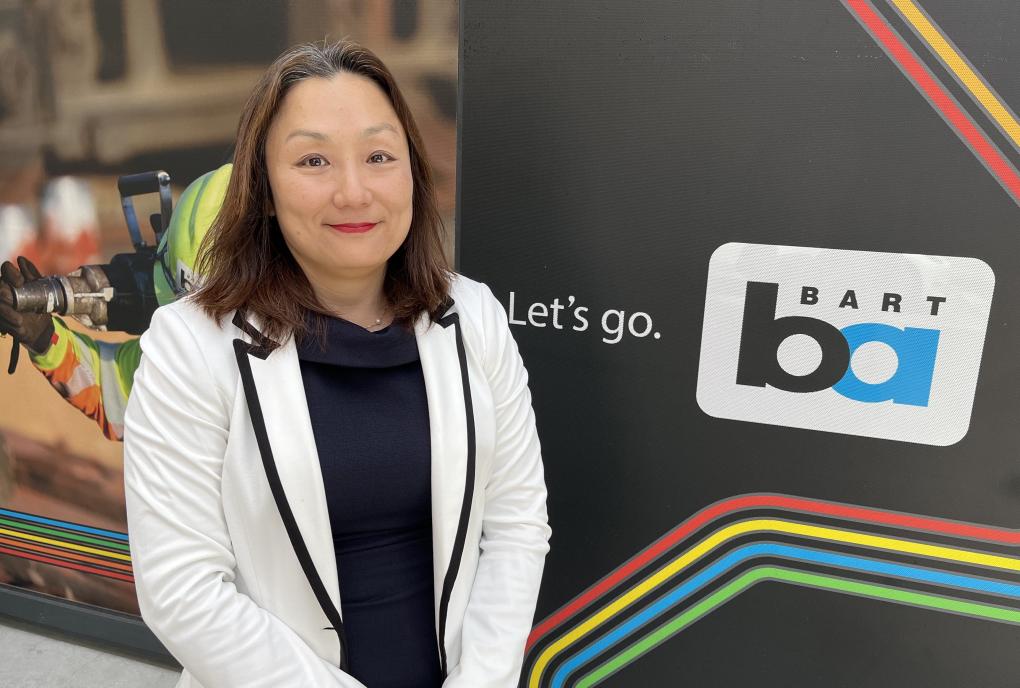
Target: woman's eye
{"type": "Point", "coordinates": [314, 161]}
{"type": "Point", "coordinates": [374, 157]}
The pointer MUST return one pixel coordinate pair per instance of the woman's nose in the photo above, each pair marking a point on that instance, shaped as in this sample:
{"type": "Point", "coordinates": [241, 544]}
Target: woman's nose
{"type": "Point", "coordinates": [351, 189]}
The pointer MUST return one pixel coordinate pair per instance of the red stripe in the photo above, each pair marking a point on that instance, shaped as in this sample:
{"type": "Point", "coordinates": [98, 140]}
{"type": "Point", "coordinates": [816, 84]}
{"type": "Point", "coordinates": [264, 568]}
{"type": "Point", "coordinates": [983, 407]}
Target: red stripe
{"type": "Point", "coordinates": [1005, 536]}
{"type": "Point", "coordinates": [67, 564]}
{"type": "Point", "coordinates": [943, 102]}
{"type": "Point", "coordinates": [61, 553]}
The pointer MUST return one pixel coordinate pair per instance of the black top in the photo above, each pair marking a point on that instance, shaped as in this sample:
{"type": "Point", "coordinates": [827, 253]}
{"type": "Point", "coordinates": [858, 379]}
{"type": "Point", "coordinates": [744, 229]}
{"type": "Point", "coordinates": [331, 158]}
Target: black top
{"type": "Point", "coordinates": [366, 398]}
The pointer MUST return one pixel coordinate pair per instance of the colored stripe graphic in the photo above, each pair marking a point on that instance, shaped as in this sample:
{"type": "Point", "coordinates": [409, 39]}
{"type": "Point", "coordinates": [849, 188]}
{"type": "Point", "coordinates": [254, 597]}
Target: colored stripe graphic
{"type": "Point", "coordinates": [65, 544]}
{"type": "Point", "coordinates": [756, 526]}
{"type": "Point", "coordinates": [767, 549]}
{"type": "Point", "coordinates": [726, 510]}
{"type": "Point", "coordinates": [67, 525]}
{"type": "Point", "coordinates": [66, 564]}
{"type": "Point", "coordinates": [734, 505]}
{"type": "Point", "coordinates": [937, 95]}
{"type": "Point", "coordinates": [773, 573]}
{"type": "Point", "coordinates": [67, 555]}
{"type": "Point", "coordinates": [958, 65]}
{"type": "Point", "coordinates": [63, 535]}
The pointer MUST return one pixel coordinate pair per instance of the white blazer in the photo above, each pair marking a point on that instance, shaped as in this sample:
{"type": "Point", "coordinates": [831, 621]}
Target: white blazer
{"type": "Point", "coordinates": [230, 538]}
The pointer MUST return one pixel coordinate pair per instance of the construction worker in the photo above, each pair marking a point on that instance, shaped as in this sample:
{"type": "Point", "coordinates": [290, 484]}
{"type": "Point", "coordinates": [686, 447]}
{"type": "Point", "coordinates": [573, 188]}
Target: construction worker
{"type": "Point", "coordinates": [94, 376]}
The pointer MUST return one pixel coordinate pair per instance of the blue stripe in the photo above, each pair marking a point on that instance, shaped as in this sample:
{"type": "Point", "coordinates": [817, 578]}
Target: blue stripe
{"type": "Point", "coordinates": [65, 524]}
{"type": "Point", "coordinates": [686, 589]}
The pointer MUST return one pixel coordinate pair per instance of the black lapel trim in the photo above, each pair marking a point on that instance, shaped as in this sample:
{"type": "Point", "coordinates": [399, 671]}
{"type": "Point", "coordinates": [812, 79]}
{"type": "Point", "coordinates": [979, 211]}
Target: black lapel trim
{"type": "Point", "coordinates": [242, 349]}
{"type": "Point", "coordinates": [440, 315]}
{"type": "Point", "coordinates": [469, 483]}
{"type": "Point", "coordinates": [261, 345]}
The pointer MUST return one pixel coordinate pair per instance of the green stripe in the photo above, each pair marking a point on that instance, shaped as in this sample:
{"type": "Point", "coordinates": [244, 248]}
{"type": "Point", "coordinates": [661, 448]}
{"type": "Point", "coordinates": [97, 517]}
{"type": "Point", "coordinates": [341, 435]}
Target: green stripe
{"type": "Point", "coordinates": [64, 535]}
{"type": "Point", "coordinates": [756, 575]}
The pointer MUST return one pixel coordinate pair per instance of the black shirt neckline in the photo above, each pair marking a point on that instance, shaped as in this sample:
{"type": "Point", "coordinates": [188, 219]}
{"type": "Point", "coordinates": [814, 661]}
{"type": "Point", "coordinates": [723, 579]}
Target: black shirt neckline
{"type": "Point", "coordinates": [352, 346]}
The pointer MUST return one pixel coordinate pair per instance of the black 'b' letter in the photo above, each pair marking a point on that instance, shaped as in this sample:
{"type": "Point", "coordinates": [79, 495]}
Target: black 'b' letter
{"type": "Point", "coordinates": [762, 333]}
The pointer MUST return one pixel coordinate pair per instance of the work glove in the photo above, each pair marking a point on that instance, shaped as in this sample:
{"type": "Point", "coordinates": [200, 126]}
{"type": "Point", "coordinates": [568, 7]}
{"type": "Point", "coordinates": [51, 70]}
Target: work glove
{"type": "Point", "coordinates": [34, 330]}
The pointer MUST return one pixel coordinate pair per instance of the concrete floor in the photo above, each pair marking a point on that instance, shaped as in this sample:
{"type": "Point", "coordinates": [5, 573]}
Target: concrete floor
{"type": "Point", "coordinates": [29, 659]}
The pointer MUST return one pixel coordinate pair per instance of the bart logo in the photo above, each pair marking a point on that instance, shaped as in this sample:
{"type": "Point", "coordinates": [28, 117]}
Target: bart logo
{"type": "Point", "coordinates": [875, 344]}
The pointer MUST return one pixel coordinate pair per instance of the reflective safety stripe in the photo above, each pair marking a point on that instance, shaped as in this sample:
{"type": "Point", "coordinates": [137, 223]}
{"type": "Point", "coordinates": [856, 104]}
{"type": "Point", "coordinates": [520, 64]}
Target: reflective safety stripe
{"type": "Point", "coordinates": [84, 373]}
{"type": "Point", "coordinates": [114, 399]}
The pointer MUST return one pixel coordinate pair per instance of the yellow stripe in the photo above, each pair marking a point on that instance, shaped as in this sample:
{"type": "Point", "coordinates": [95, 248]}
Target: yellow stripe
{"type": "Point", "coordinates": [759, 525]}
{"type": "Point", "coordinates": [66, 545]}
{"type": "Point", "coordinates": [978, 90]}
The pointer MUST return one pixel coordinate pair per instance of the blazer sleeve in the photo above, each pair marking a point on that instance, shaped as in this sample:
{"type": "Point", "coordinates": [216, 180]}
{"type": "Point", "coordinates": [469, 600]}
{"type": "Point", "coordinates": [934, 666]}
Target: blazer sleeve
{"type": "Point", "coordinates": [176, 430]}
{"type": "Point", "coordinates": [515, 525]}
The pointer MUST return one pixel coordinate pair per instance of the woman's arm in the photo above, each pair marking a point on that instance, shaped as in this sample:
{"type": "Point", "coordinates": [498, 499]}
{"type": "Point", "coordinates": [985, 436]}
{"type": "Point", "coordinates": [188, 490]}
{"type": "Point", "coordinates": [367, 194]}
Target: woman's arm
{"type": "Point", "coordinates": [515, 528]}
{"type": "Point", "coordinates": [175, 437]}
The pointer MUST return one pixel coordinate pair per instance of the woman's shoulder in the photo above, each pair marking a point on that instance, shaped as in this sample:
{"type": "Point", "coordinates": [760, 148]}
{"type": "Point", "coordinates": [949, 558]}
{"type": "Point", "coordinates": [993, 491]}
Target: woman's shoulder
{"type": "Point", "coordinates": [185, 354]}
{"type": "Point", "coordinates": [183, 331]}
{"type": "Point", "coordinates": [186, 315]}
{"type": "Point", "coordinates": [470, 296]}
{"type": "Point", "coordinates": [482, 315]}
{"type": "Point", "coordinates": [476, 305]}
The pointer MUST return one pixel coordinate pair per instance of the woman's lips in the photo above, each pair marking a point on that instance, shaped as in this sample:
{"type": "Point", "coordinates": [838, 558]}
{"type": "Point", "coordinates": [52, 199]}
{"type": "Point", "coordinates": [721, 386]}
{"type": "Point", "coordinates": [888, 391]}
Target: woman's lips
{"type": "Point", "coordinates": [355, 228]}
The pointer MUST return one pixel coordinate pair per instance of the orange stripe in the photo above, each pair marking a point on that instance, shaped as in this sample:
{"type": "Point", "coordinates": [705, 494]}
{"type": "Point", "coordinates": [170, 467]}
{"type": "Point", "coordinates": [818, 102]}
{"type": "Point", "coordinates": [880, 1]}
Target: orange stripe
{"type": "Point", "coordinates": [90, 402]}
{"type": "Point", "coordinates": [65, 369]}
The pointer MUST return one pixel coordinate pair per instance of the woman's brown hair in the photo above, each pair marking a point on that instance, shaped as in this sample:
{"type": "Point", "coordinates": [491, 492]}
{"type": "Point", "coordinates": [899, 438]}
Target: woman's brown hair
{"type": "Point", "coordinates": [244, 262]}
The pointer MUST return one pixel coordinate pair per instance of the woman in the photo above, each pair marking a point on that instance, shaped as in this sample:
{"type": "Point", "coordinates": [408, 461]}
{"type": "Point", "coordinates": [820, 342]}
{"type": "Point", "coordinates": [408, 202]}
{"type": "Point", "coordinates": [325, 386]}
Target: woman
{"type": "Point", "coordinates": [332, 470]}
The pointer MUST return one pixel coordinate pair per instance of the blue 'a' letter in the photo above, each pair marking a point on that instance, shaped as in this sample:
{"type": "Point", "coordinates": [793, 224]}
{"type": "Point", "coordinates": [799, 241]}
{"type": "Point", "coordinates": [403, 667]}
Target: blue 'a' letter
{"type": "Point", "coordinates": [915, 349]}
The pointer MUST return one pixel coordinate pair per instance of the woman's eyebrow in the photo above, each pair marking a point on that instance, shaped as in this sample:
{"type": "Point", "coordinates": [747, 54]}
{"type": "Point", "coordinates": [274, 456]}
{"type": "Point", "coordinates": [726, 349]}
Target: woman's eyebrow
{"type": "Point", "coordinates": [319, 136]}
{"type": "Point", "coordinates": [371, 131]}
{"type": "Point", "coordinates": [306, 132]}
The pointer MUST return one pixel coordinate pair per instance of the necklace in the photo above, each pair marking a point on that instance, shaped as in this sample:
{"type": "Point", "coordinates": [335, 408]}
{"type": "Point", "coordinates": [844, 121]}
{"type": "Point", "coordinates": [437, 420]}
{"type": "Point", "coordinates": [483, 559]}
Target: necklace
{"type": "Point", "coordinates": [378, 322]}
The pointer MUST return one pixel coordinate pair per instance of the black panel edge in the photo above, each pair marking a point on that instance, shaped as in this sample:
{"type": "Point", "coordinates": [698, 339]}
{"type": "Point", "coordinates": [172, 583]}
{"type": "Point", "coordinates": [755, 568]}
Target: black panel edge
{"type": "Point", "coordinates": [109, 630]}
{"type": "Point", "coordinates": [457, 233]}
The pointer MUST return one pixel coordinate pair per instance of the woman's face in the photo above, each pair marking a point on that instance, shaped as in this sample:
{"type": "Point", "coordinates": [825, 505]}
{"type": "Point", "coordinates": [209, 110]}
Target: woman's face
{"type": "Point", "coordinates": [340, 175]}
